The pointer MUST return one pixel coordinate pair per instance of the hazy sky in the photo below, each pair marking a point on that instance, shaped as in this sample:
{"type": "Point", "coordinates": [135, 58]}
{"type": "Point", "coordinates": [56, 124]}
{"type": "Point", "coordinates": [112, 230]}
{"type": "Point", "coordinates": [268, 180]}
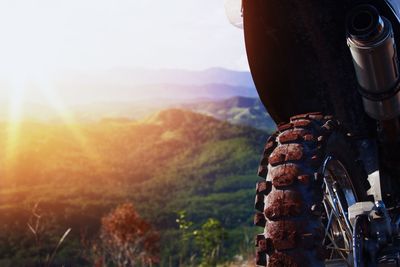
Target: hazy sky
{"type": "Point", "coordinates": [106, 34]}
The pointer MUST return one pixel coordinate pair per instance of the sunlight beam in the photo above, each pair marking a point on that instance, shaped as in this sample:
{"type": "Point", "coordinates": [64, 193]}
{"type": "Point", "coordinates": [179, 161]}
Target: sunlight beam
{"type": "Point", "coordinates": [15, 115]}
{"type": "Point", "coordinates": [67, 118]}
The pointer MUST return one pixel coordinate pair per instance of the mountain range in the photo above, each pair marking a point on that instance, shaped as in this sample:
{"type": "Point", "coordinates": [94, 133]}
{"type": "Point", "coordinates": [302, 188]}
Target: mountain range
{"type": "Point", "coordinates": [192, 144]}
{"type": "Point", "coordinates": [237, 110]}
{"type": "Point", "coordinates": [130, 85]}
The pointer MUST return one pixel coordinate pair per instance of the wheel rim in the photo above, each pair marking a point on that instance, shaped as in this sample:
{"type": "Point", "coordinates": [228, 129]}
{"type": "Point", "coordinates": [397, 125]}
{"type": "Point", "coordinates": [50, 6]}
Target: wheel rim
{"type": "Point", "coordinates": [339, 194]}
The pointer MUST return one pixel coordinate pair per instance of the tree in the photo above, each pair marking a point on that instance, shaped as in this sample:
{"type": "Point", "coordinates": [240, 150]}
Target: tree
{"type": "Point", "coordinates": [210, 240]}
{"type": "Point", "coordinates": [185, 228]}
{"type": "Point", "coordinates": [128, 240]}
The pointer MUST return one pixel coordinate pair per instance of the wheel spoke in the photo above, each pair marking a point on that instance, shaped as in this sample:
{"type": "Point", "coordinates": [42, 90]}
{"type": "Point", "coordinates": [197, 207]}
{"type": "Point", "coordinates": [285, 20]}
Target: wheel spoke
{"type": "Point", "coordinates": [338, 230]}
{"type": "Point", "coordinates": [343, 212]}
{"type": "Point", "coordinates": [328, 225]}
{"type": "Point", "coordinates": [337, 249]}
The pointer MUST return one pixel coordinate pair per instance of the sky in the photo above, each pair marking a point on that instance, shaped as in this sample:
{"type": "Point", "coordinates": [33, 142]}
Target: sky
{"type": "Point", "coordinates": [65, 52]}
{"type": "Point", "coordinates": [51, 35]}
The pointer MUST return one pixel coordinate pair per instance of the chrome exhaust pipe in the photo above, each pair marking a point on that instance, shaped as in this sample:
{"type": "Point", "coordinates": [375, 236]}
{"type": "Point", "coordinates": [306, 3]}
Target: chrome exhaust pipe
{"type": "Point", "coordinates": [373, 49]}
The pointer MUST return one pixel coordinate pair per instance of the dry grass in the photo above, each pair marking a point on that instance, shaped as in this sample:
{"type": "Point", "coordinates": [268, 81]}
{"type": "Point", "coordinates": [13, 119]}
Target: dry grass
{"type": "Point", "coordinates": [37, 229]}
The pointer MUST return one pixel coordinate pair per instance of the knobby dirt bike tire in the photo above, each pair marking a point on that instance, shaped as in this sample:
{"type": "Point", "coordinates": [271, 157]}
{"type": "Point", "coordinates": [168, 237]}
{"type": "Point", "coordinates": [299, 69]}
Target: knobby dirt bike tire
{"type": "Point", "coordinates": [289, 200]}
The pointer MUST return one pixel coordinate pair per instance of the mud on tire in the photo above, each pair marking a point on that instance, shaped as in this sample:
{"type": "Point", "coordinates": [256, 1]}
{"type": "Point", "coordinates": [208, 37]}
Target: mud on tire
{"type": "Point", "coordinates": [289, 200]}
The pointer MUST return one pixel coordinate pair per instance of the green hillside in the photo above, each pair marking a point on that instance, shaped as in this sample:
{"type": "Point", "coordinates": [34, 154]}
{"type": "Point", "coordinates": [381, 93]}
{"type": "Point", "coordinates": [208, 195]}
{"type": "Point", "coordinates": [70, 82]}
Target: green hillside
{"type": "Point", "coordinates": [237, 110]}
{"type": "Point", "coordinates": [172, 161]}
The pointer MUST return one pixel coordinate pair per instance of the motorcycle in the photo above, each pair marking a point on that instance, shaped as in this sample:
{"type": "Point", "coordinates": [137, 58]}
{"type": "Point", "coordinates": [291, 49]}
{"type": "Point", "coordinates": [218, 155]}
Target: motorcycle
{"type": "Point", "coordinates": [328, 74]}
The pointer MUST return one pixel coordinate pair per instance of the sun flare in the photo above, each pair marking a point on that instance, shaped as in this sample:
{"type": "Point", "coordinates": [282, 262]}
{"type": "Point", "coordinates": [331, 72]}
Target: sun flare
{"type": "Point", "coordinates": [20, 87]}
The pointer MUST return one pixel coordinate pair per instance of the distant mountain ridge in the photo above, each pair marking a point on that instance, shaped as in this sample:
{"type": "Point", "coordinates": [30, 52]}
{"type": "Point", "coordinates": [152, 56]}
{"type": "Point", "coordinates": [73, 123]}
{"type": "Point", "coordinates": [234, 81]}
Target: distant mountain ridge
{"type": "Point", "coordinates": [236, 110]}
{"type": "Point", "coordinates": [135, 84]}
{"type": "Point", "coordinates": [170, 76]}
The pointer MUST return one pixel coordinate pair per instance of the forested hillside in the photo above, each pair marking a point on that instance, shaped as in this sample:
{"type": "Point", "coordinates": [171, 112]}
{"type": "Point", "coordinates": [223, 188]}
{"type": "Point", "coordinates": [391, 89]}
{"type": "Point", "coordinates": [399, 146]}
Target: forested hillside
{"type": "Point", "coordinates": [237, 110]}
{"type": "Point", "coordinates": [170, 162]}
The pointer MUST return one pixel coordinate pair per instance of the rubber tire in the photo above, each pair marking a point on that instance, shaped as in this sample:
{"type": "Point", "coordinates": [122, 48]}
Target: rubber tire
{"type": "Point", "coordinates": [290, 198]}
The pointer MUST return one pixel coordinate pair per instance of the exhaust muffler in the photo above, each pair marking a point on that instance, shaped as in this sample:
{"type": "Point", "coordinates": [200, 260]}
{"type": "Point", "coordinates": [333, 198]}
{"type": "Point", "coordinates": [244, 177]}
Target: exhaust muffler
{"type": "Point", "coordinates": [372, 46]}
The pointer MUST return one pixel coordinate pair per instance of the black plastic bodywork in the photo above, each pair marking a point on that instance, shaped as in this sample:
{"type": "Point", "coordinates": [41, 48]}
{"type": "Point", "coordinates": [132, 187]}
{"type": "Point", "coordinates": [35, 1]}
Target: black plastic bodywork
{"type": "Point", "coordinates": [300, 61]}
